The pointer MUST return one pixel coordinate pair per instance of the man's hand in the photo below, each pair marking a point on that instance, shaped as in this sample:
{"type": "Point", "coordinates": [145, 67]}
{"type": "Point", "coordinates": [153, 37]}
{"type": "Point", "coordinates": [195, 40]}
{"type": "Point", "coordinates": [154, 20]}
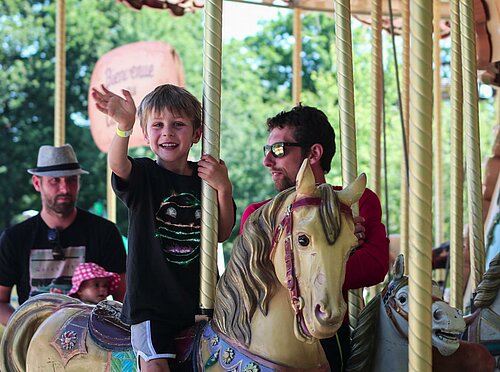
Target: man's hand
{"type": "Point", "coordinates": [119, 109]}
{"type": "Point", "coordinates": [359, 230]}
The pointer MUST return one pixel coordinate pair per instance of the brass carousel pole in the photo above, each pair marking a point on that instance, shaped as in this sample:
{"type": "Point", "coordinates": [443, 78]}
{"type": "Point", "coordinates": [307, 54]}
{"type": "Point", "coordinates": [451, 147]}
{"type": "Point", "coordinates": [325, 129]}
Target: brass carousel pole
{"type": "Point", "coordinates": [110, 196]}
{"type": "Point", "coordinates": [212, 56]}
{"type": "Point", "coordinates": [376, 105]}
{"type": "Point", "coordinates": [437, 143]}
{"type": "Point", "coordinates": [297, 61]}
{"type": "Point", "coordinates": [405, 107]}
{"type": "Point", "coordinates": [457, 164]}
{"type": "Point", "coordinates": [420, 161]}
{"type": "Point", "coordinates": [377, 100]}
{"type": "Point", "coordinates": [343, 46]}
{"type": "Point", "coordinates": [60, 79]}
{"type": "Point", "coordinates": [473, 160]}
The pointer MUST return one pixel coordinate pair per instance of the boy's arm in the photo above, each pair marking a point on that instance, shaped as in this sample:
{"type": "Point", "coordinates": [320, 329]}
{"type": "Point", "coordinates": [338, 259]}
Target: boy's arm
{"type": "Point", "coordinates": [215, 174]}
{"type": "Point", "coordinates": [123, 112]}
{"type": "Point", "coordinates": [226, 213]}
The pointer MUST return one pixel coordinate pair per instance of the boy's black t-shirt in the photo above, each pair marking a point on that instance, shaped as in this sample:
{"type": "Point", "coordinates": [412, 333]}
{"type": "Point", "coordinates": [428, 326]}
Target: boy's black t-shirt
{"type": "Point", "coordinates": [26, 258]}
{"type": "Point", "coordinates": [163, 264]}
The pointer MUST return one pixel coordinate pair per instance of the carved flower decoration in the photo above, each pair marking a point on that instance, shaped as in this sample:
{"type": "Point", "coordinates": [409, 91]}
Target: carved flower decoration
{"type": "Point", "coordinates": [228, 355]}
{"type": "Point", "coordinates": [251, 367]}
{"type": "Point", "coordinates": [214, 341]}
{"type": "Point", "coordinates": [68, 340]}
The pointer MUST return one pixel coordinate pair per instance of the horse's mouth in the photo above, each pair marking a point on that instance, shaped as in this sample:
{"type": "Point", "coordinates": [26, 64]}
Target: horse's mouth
{"type": "Point", "coordinates": [447, 336]}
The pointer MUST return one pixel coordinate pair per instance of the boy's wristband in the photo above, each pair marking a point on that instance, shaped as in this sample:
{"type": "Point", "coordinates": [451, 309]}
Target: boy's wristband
{"type": "Point", "coordinates": [123, 133]}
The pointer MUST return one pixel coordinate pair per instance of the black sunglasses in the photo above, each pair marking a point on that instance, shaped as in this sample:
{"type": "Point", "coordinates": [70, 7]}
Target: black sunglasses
{"type": "Point", "coordinates": [278, 148]}
{"type": "Point", "coordinates": [55, 242]}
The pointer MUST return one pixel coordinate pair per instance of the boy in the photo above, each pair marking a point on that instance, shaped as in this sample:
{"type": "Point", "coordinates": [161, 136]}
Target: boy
{"type": "Point", "coordinates": [163, 199]}
{"type": "Point", "coordinates": [92, 284]}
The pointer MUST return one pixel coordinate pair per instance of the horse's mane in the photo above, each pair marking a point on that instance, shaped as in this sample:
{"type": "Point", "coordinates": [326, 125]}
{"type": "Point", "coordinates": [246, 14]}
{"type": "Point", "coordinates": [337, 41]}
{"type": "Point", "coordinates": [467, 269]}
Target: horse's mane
{"type": "Point", "coordinates": [488, 288]}
{"type": "Point", "coordinates": [363, 337]}
{"type": "Point", "coordinates": [249, 280]}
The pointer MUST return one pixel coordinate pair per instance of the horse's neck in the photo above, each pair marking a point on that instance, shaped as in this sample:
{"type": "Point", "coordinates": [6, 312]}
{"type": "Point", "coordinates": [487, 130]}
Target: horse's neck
{"type": "Point", "coordinates": [273, 337]}
{"type": "Point", "coordinates": [495, 306]}
{"type": "Point", "coordinates": [391, 349]}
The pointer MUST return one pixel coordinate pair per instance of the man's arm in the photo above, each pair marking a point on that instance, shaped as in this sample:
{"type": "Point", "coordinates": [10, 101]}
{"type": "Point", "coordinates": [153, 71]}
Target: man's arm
{"type": "Point", "coordinates": [369, 263]}
{"type": "Point", "coordinates": [6, 308]}
{"type": "Point", "coordinates": [249, 210]}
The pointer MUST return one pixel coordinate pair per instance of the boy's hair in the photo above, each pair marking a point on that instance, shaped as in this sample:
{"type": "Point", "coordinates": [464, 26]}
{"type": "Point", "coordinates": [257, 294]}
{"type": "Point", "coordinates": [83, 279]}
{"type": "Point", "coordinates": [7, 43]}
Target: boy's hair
{"type": "Point", "coordinates": [311, 126]}
{"type": "Point", "coordinates": [173, 98]}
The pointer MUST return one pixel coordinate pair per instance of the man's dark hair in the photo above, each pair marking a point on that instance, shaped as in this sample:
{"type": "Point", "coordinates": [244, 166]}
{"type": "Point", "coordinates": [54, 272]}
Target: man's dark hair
{"type": "Point", "coordinates": [311, 126]}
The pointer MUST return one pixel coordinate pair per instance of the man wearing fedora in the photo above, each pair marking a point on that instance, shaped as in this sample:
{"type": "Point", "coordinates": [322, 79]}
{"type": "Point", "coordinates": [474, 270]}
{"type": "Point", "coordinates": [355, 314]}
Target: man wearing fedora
{"type": "Point", "coordinates": [40, 254]}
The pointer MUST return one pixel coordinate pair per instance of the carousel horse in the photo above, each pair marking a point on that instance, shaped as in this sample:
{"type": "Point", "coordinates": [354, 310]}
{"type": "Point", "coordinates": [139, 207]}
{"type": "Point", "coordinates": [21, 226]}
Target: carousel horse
{"type": "Point", "coordinates": [483, 325]}
{"type": "Point", "coordinates": [380, 339]}
{"type": "Point", "coordinates": [280, 293]}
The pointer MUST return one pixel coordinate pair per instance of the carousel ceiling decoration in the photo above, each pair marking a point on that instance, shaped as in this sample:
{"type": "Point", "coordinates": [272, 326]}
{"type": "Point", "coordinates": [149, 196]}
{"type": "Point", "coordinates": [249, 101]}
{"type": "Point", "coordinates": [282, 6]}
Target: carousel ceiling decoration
{"type": "Point", "coordinates": [176, 7]}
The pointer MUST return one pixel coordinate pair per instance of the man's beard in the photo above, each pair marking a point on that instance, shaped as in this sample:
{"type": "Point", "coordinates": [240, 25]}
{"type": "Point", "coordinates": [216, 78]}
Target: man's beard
{"type": "Point", "coordinates": [284, 184]}
{"type": "Point", "coordinates": [63, 208]}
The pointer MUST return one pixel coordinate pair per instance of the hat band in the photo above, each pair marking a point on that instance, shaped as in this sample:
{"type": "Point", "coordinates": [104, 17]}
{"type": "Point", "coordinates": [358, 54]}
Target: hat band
{"type": "Point", "coordinates": [50, 168]}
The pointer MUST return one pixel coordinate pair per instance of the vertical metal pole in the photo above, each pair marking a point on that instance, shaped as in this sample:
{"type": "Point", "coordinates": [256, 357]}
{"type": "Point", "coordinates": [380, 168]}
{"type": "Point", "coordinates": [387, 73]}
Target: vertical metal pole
{"type": "Point", "coordinates": [110, 196]}
{"type": "Point", "coordinates": [343, 46]}
{"type": "Point", "coordinates": [376, 105]}
{"type": "Point", "coordinates": [457, 163]}
{"type": "Point", "coordinates": [60, 79]}
{"type": "Point", "coordinates": [297, 61]}
{"type": "Point", "coordinates": [420, 279]}
{"type": "Point", "coordinates": [472, 150]}
{"type": "Point", "coordinates": [212, 63]}
{"type": "Point", "coordinates": [405, 106]}
{"type": "Point", "coordinates": [438, 151]}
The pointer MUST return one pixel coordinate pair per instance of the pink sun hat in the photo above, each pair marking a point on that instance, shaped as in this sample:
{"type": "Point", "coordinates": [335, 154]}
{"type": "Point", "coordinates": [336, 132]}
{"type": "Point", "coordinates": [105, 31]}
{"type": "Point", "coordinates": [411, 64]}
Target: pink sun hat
{"type": "Point", "coordinates": [90, 270]}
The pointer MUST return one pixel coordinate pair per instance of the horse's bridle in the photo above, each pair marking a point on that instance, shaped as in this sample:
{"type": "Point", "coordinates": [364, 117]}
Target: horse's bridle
{"type": "Point", "coordinates": [291, 279]}
{"type": "Point", "coordinates": [390, 304]}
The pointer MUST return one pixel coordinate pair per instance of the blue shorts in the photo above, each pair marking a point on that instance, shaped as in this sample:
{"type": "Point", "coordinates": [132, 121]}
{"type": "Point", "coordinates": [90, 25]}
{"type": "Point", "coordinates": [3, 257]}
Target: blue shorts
{"type": "Point", "coordinates": [153, 340]}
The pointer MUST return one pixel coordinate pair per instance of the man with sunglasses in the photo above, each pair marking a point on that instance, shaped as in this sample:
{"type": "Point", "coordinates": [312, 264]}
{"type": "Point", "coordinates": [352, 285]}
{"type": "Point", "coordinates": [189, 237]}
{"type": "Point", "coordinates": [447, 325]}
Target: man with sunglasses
{"type": "Point", "coordinates": [40, 254]}
{"type": "Point", "coordinates": [305, 132]}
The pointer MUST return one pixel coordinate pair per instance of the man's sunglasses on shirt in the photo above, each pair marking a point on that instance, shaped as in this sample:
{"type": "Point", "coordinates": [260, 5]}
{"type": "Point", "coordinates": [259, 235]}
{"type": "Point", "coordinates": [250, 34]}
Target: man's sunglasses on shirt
{"type": "Point", "coordinates": [278, 148]}
{"type": "Point", "coordinates": [55, 242]}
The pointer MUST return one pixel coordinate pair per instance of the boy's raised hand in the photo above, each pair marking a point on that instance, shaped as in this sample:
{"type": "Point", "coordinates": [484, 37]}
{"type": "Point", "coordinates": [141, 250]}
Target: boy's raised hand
{"type": "Point", "coordinates": [214, 173]}
{"type": "Point", "coordinates": [122, 110]}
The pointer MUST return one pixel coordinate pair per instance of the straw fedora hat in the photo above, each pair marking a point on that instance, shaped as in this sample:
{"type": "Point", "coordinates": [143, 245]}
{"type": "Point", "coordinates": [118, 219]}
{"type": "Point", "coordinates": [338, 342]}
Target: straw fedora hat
{"type": "Point", "coordinates": [57, 162]}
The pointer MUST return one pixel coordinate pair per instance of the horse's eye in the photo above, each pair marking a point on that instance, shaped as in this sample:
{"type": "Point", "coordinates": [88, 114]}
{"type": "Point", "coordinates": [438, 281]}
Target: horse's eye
{"type": "Point", "coordinates": [303, 240]}
{"type": "Point", "coordinates": [402, 299]}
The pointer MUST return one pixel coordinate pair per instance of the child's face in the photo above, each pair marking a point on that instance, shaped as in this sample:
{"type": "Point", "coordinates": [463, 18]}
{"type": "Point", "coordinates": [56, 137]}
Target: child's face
{"type": "Point", "coordinates": [94, 290]}
{"type": "Point", "coordinates": [171, 136]}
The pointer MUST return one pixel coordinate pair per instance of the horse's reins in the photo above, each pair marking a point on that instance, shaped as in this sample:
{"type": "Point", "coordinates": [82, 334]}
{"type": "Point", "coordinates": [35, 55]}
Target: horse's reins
{"type": "Point", "coordinates": [291, 279]}
{"type": "Point", "coordinates": [390, 305]}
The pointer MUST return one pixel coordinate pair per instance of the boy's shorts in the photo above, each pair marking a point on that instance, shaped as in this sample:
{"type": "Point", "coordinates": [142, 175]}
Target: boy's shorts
{"type": "Point", "coordinates": [153, 340]}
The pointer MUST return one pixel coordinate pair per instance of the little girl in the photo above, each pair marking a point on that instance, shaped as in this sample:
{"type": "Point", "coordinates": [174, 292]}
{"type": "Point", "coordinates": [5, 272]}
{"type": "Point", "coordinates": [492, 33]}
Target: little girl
{"type": "Point", "coordinates": [92, 284]}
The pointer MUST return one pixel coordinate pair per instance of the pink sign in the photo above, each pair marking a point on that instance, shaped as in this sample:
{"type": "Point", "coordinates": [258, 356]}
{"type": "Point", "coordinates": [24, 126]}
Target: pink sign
{"type": "Point", "coordinates": [138, 67]}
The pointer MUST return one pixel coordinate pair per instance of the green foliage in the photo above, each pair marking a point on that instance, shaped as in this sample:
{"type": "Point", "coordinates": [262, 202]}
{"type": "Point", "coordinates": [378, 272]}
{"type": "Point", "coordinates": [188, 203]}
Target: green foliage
{"type": "Point", "coordinates": [256, 84]}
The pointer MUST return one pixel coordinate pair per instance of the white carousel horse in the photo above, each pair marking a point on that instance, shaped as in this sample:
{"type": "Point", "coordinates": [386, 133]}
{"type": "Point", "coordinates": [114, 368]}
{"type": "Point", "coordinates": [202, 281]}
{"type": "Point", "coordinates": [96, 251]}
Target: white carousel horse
{"type": "Point", "coordinates": [380, 340]}
{"type": "Point", "coordinates": [280, 293]}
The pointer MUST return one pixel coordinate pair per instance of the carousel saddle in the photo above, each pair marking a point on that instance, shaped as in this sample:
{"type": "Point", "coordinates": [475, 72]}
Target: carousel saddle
{"type": "Point", "coordinates": [106, 328]}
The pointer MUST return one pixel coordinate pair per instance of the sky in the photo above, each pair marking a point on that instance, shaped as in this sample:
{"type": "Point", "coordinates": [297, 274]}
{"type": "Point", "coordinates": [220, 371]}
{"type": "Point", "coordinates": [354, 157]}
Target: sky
{"type": "Point", "coordinates": [240, 20]}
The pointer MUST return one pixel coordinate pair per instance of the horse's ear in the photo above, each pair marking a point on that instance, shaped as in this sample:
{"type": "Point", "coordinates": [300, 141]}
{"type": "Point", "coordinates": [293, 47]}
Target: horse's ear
{"type": "Point", "coordinates": [305, 179]}
{"type": "Point", "coordinates": [399, 267]}
{"type": "Point", "coordinates": [353, 192]}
